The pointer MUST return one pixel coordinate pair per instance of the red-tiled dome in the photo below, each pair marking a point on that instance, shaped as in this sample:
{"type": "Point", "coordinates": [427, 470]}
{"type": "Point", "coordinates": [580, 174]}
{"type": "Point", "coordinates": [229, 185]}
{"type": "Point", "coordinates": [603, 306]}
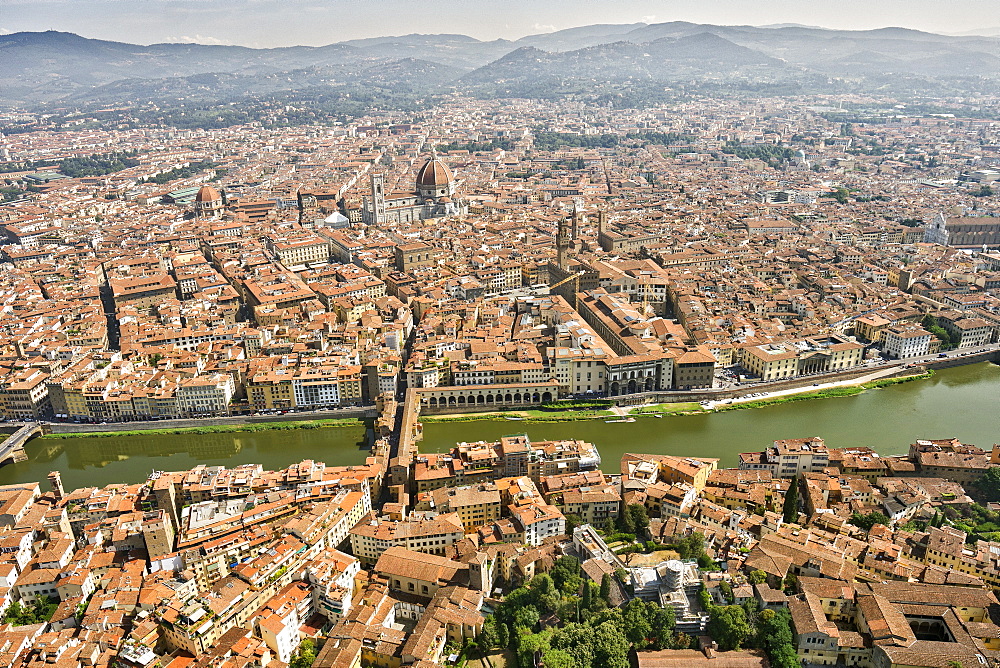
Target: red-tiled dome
{"type": "Point", "coordinates": [207, 194]}
{"type": "Point", "coordinates": [434, 173]}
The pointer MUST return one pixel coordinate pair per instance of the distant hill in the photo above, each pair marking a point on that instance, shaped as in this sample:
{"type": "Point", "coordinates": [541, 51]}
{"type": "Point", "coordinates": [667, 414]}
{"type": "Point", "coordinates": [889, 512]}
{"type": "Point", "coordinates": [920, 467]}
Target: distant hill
{"type": "Point", "coordinates": [55, 68]}
{"type": "Point", "coordinates": [660, 60]}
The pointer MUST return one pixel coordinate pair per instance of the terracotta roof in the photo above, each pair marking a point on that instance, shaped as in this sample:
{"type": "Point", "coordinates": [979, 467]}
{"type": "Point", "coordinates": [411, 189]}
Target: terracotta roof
{"type": "Point", "coordinates": [434, 173]}
{"type": "Point", "coordinates": [207, 194]}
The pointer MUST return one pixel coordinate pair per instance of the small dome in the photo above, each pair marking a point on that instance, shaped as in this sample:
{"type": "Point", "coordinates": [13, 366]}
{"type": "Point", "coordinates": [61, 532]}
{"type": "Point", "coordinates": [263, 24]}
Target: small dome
{"type": "Point", "coordinates": [208, 194]}
{"type": "Point", "coordinates": [445, 200]}
{"type": "Point", "coordinates": [434, 173]}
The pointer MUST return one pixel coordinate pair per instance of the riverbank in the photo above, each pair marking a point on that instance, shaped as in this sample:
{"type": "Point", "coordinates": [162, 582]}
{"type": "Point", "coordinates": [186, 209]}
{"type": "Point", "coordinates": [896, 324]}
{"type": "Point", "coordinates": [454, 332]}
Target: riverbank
{"type": "Point", "coordinates": [832, 392]}
{"type": "Point", "coordinates": [215, 429]}
{"type": "Point", "coordinates": [523, 417]}
{"type": "Point", "coordinates": [806, 393]}
{"type": "Point", "coordinates": [958, 402]}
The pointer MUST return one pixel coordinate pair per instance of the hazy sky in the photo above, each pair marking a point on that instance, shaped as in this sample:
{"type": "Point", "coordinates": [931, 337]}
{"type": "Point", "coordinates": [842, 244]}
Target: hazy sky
{"type": "Point", "coordinates": [265, 23]}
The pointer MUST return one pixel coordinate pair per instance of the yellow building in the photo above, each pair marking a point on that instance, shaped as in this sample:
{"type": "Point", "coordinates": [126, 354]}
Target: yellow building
{"type": "Point", "coordinates": [271, 390]}
{"type": "Point", "coordinates": [476, 505]}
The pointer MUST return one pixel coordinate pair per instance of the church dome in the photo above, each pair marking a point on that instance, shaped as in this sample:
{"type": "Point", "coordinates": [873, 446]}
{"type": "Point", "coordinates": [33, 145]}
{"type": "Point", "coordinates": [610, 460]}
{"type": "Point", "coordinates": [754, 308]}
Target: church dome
{"type": "Point", "coordinates": [434, 174]}
{"type": "Point", "coordinates": [208, 194]}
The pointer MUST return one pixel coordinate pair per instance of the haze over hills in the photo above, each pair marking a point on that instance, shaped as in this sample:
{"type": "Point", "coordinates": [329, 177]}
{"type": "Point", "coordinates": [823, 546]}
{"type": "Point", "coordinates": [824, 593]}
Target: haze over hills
{"type": "Point", "coordinates": [63, 68]}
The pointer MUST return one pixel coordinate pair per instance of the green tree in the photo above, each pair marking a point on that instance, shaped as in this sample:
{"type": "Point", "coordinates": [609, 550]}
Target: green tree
{"type": "Point", "coordinates": [305, 655]}
{"type": "Point", "coordinates": [572, 522]}
{"type": "Point", "coordinates": [691, 546]}
{"type": "Point", "coordinates": [558, 658]}
{"type": "Point", "coordinates": [587, 601]}
{"type": "Point", "coordinates": [526, 618]}
{"type": "Point", "coordinates": [663, 620]}
{"type": "Point", "coordinates": [841, 195]}
{"type": "Point", "coordinates": [489, 636]}
{"type": "Point", "coordinates": [636, 622]}
{"type": "Point", "coordinates": [503, 635]}
{"type": "Point", "coordinates": [727, 591]}
{"type": "Point", "coordinates": [39, 610]}
{"type": "Point", "coordinates": [866, 522]}
{"type": "Point", "coordinates": [576, 640]}
{"type": "Point", "coordinates": [566, 575]}
{"type": "Point", "coordinates": [606, 588]}
{"type": "Point", "coordinates": [988, 484]}
{"type": "Point", "coordinates": [640, 519]}
{"type": "Point", "coordinates": [610, 646]}
{"type": "Point", "coordinates": [790, 508]}
{"type": "Point", "coordinates": [528, 644]}
{"type": "Point", "coordinates": [729, 626]}
{"type": "Point", "coordinates": [625, 522]}
{"type": "Point", "coordinates": [757, 577]}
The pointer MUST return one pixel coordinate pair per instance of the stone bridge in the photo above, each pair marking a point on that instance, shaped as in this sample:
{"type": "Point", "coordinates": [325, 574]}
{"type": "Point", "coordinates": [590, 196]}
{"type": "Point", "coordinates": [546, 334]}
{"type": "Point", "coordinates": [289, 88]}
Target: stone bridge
{"type": "Point", "coordinates": [12, 449]}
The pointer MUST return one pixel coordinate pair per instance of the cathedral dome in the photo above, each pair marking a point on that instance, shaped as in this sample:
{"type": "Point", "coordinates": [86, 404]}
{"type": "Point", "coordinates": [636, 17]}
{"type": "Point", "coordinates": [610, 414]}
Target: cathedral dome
{"type": "Point", "coordinates": [434, 174]}
{"type": "Point", "coordinates": [208, 194]}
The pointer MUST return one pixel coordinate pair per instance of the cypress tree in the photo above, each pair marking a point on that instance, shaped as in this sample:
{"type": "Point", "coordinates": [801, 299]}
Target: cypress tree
{"type": "Point", "coordinates": [790, 509]}
{"type": "Point", "coordinates": [606, 588]}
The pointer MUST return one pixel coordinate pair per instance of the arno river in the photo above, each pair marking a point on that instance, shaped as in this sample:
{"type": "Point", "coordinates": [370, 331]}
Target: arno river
{"type": "Point", "coordinates": [963, 402]}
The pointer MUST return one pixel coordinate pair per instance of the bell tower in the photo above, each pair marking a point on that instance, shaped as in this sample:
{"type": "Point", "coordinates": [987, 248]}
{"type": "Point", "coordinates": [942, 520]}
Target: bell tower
{"type": "Point", "coordinates": [378, 199]}
{"type": "Point", "coordinates": [562, 244]}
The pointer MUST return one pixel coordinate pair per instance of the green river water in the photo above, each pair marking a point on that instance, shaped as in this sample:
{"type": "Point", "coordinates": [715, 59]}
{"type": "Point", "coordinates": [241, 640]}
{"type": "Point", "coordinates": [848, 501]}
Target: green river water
{"type": "Point", "coordinates": [963, 402]}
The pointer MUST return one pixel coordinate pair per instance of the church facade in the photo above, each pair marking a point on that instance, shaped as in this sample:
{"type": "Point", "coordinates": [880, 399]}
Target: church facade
{"type": "Point", "coordinates": [433, 198]}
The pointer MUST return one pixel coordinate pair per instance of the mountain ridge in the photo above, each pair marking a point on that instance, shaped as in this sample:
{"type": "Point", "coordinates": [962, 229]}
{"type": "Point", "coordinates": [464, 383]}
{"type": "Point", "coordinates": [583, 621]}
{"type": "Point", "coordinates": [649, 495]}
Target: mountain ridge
{"type": "Point", "coordinates": [52, 67]}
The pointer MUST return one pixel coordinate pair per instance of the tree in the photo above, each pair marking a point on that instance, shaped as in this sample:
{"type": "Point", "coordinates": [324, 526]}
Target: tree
{"type": "Point", "coordinates": [692, 546]}
{"type": "Point", "coordinates": [572, 522]}
{"type": "Point", "coordinates": [530, 643]}
{"type": "Point", "coordinates": [729, 626]}
{"type": "Point", "coordinates": [489, 636]}
{"type": "Point", "coordinates": [866, 522]}
{"type": "Point", "coordinates": [625, 523]}
{"type": "Point", "coordinates": [757, 577]}
{"type": "Point", "coordinates": [727, 591]}
{"type": "Point", "coordinates": [610, 646]}
{"type": "Point", "coordinates": [35, 612]}
{"type": "Point", "coordinates": [587, 601]}
{"type": "Point", "coordinates": [640, 519]}
{"type": "Point", "coordinates": [503, 635]}
{"type": "Point", "coordinates": [576, 640]}
{"type": "Point", "coordinates": [566, 575]}
{"type": "Point", "coordinates": [526, 618]}
{"type": "Point", "coordinates": [636, 622]}
{"type": "Point", "coordinates": [840, 194]}
{"type": "Point", "coordinates": [663, 620]}
{"type": "Point", "coordinates": [790, 508]}
{"type": "Point", "coordinates": [606, 588]}
{"type": "Point", "coordinates": [988, 484]}
{"type": "Point", "coordinates": [305, 655]}
{"type": "Point", "coordinates": [557, 658]}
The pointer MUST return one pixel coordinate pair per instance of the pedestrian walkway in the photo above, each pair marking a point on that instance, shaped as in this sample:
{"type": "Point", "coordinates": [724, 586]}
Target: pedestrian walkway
{"type": "Point", "coordinates": [878, 374]}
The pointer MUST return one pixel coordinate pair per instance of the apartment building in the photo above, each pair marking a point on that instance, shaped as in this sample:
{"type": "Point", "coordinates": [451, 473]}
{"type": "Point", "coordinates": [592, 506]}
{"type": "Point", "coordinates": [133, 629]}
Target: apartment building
{"type": "Point", "coordinates": [901, 342]}
{"type": "Point", "coordinates": [787, 458]}
{"type": "Point", "coordinates": [433, 534]}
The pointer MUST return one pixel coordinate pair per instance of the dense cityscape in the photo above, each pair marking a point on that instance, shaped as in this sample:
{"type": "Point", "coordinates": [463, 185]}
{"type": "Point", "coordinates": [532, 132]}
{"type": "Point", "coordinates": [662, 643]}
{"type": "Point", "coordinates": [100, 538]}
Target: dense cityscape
{"type": "Point", "coordinates": [521, 260]}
